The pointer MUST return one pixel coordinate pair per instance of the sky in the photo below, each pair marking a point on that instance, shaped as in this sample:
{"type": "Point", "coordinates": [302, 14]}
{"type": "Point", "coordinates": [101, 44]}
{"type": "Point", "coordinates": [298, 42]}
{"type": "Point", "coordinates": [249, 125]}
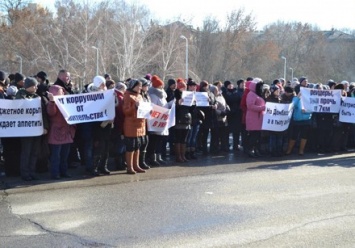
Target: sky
{"type": "Point", "coordinates": [326, 14]}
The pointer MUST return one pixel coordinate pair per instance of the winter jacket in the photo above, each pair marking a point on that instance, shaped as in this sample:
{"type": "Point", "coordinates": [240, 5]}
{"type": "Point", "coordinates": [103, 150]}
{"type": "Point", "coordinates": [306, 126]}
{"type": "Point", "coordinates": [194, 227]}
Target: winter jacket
{"type": "Point", "coordinates": [158, 97]}
{"type": "Point", "coordinates": [60, 132]}
{"type": "Point", "coordinates": [255, 109]}
{"type": "Point", "coordinates": [23, 94]}
{"type": "Point", "coordinates": [119, 116]}
{"type": "Point", "coordinates": [183, 117]}
{"type": "Point", "coordinates": [132, 126]}
{"type": "Point", "coordinates": [298, 114]}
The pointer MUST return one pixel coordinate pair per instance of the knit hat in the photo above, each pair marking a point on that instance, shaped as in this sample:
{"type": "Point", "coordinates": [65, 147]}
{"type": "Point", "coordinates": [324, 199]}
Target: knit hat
{"type": "Point", "coordinates": [98, 80]}
{"type": "Point", "coordinates": [18, 77]}
{"type": "Point", "coordinates": [302, 79]}
{"type": "Point", "coordinates": [274, 88]}
{"type": "Point", "coordinates": [2, 76]}
{"type": "Point", "coordinates": [191, 82]}
{"type": "Point", "coordinates": [180, 85]}
{"type": "Point", "coordinates": [29, 82]}
{"type": "Point", "coordinates": [157, 82]}
{"type": "Point", "coordinates": [106, 76]}
{"type": "Point", "coordinates": [11, 90]}
{"type": "Point", "coordinates": [226, 83]}
{"type": "Point", "coordinates": [180, 80]}
{"type": "Point", "coordinates": [144, 82]}
{"type": "Point", "coordinates": [171, 81]}
{"type": "Point", "coordinates": [133, 83]}
{"type": "Point", "coordinates": [288, 89]}
{"type": "Point", "coordinates": [42, 75]}
{"type": "Point", "coordinates": [148, 77]}
{"type": "Point", "coordinates": [121, 86]}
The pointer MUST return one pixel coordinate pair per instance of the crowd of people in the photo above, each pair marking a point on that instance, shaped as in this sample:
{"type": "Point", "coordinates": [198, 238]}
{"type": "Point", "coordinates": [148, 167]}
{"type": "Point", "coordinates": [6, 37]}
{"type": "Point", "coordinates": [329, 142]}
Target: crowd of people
{"type": "Point", "coordinates": [232, 122]}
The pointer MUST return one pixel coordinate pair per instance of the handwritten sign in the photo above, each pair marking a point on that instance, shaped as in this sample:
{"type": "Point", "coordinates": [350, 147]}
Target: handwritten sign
{"type": "Point", "coordinates": [21, 118]}
{"type": "Point", "coordinates": [80, 108]}
{"type": "Point", "coordinates": [320, 101]}
{"type": "Point", "coordinates": [277, 116]}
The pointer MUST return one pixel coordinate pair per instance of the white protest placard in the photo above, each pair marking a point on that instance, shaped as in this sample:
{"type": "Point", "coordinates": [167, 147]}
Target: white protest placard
{"type": "Point", "coordinates": [320, 101]}
{"type": "Point", "coordinates": [347, 110]}
{"type": "Point", "coordinates": [188, 98]}
{"type": "Point", "coordinates": [144, 109]}
{"type": "Point", "coordinates": [202, 99]}
{"type": "Point", "coordinates": [88, 107]}
{"type": "Point", "coordinates": [171, 120]}
{"type": "Point", "coordinates": [158, 120]}
{"type": "Point", "coordinates": [21, 117]}
{"type": "Point", "coordinates": [277, 116]}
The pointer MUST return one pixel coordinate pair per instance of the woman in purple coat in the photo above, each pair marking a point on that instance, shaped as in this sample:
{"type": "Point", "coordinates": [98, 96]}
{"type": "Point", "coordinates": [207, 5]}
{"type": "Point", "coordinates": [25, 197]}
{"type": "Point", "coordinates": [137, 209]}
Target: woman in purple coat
{"type": "Point", "coordinates": [254, 116]}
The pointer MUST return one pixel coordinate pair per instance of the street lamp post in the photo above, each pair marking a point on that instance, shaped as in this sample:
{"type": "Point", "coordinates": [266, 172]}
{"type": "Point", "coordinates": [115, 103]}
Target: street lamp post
{"type": "Point", "coordinates": [284, 68]}
{"type": "Point", "coordinates": [291, 73]}
{"type": "Point", "coordinates": [18, 56]}
{"type": "Point", "coordinates": [187, 56]}
{"type": "Point", "coordinates": [97, 59]}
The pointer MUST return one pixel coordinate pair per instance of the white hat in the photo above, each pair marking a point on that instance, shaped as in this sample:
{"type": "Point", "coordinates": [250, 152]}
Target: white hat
{"type": "Point", "coordinates": [98, 80]}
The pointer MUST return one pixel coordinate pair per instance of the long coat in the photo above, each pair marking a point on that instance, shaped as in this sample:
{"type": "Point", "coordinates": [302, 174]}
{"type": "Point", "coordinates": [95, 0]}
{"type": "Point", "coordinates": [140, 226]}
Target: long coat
{"type": "Point", "coordinates": [255, 109]}
{"type": "Point", "coordinates": [132, 126]}
{"type": "Point", "coordinates": [60, 132]}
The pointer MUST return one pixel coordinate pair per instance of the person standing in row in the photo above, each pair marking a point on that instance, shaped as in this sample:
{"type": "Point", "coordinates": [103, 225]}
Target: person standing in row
{"type": "Point", "coordinates": [134, 128]}
{"type": "Point", "coordinates": [60, 136]}
{"type": "Point", "coordinates": [30, 145]}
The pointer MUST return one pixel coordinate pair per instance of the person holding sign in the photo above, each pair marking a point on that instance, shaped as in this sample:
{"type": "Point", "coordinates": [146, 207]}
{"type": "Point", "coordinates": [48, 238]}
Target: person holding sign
{"type": "Point", "coordinates": [60, 136]}
{"type": "Point", "coordinates": [300, 124]}
{"type": "Point", "coordinates": [254, 116]}
{"type": "Point", "coordinates": [182, 125]}
{"type": "Point", "coordinates": [30, 145]}
{"type": "Point", "coordinates": [275, 137]}
{"type": "Point", "coordinates": [134, 128]}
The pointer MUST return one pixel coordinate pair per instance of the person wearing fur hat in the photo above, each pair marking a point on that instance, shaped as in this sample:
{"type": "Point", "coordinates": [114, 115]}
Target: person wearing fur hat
{"type": "Point", "coordinates": [158, 96]}
{"type": "Point", "coordinates": [30, 145]}
{"type": "Point", "coordinates": [134, 128]}
{"type": "Point", "coordinates": [254, 116]}
{"type": "Point", "coordinates": [60, 136]}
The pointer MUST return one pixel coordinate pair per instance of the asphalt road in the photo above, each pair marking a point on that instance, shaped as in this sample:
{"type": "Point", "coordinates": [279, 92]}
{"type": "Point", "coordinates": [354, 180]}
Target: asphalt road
{"type": "Point", "coordinates": [225, 201]}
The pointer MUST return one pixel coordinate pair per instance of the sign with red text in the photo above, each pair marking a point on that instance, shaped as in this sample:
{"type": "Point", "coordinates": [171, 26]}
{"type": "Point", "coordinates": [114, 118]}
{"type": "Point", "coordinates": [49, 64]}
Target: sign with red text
{"type": "Point", "coordinates": [159, 119]}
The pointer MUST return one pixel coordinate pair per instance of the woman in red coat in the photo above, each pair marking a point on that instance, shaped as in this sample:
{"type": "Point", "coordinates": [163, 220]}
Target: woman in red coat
{"type": "Point", "coordinates": [133, 128]}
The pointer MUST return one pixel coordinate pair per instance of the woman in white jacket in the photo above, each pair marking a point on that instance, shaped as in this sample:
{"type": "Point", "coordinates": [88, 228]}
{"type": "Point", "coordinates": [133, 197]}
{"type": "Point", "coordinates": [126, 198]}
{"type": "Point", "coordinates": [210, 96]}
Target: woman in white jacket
{"type": "Point", "coordinates": [157, 96]}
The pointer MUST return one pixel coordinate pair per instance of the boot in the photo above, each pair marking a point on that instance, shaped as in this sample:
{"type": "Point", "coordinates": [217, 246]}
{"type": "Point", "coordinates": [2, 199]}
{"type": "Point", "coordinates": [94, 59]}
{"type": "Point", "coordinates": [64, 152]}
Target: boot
{"type": "Point", "coordinates": [302, 146]}
{"type": "Point", "coordinates": [103, 167]}
{"type": "Point", "coordinates": [160, 159]}
{"type": "Point", "coordinates": [120, 163]}
{"type": "Point", "coordinates": [142, 162]}
{"type": "Point", "coordinates": [183, 152]}
{"type": "Point", "coordinates": [95, 171]}
{"type": "Point", "coordinates": [153, 161]}
{"type": "Point", "coordinates": [187, 153]}
{"type": "Point", "coordinates": [136, 162]}
{"type": "Point", "coordinates": [178, 157]}
{"type": "Point", "coordinates": [192, 153]}
{"type": "Point", "coordinates": [291, 144]}
{"type": "Point", "coordinates": [129, 161]}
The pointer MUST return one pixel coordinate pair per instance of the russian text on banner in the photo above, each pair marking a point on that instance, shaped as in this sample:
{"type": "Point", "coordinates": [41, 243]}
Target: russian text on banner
{"type": "Point", "coordinates": [21, 118]}
{"type": "Point", "coordinates": [320, 101]}
{"type": "Point", "coordinates": [277, 116]}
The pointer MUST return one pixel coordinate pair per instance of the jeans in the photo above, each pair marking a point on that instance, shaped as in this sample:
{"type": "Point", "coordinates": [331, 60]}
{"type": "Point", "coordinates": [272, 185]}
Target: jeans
{"type": "Point", "coordinates": [59, 159]}
{"type": "Point", "coordinates": [192, 136]}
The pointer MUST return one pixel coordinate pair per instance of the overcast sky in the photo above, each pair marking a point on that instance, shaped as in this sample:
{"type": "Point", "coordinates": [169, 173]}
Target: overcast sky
{"type": "Point", "coordinates": [326, 14]}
